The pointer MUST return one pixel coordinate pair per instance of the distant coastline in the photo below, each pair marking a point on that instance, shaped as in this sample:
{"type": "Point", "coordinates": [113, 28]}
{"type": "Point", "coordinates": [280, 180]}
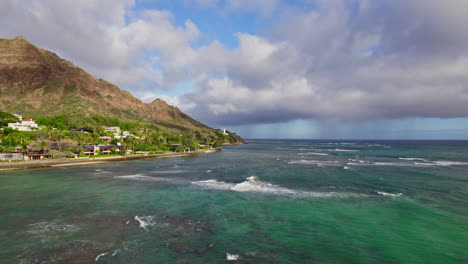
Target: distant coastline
{"type": "Point", "coordinates": [50, 163]}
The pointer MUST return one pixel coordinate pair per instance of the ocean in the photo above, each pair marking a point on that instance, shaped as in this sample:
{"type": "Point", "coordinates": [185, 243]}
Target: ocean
{"type": "Point", "coordinates": [269, 201]}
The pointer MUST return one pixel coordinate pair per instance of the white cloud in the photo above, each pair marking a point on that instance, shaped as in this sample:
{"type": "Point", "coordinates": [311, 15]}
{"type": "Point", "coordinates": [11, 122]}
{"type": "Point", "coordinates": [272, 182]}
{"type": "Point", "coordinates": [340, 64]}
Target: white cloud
{"type": "Point", "coordinates": [385, 59]}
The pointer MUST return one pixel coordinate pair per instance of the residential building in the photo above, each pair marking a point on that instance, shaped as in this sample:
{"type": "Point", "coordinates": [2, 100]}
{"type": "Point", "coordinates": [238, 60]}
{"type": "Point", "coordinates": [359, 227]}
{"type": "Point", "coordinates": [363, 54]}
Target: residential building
{"type": "Point", "coordinates": [26, 124]}
{"type": "Point", "coordinates": [112, 129]}
{"type": "Point", "coordinates": [11, 156]}
{"type": "Point", "coordinates": [90, 150]}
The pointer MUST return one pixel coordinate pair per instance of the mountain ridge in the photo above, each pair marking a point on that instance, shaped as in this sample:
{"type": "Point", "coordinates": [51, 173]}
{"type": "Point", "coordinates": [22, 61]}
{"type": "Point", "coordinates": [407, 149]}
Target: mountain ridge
{"type": "Point", "coordinates": [37, 82]}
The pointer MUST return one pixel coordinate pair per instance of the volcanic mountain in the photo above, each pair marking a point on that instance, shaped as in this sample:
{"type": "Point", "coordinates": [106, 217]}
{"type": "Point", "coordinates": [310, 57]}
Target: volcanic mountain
{"type": "Point", "coordinates": [36, 82]}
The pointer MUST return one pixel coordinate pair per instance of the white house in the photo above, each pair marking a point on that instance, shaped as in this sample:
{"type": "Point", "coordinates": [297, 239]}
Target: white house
{"type": "Point", "coordinates": [112, 129]}
{"type": "Point", "coordinates": [26, 124]}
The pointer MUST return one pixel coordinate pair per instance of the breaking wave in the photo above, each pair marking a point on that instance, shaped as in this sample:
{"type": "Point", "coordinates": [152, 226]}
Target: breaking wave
{"type": "Point", "coordinates": [343, 150]}
{"type": "Point", "coordinates": [319, 163]}
{"type": "Point", "coordinates": [171, 172]}
{"type": "Point", "coordinates": [424, 163]}
{"type": "Point", "coordinates": [140, 177]}
{"type": "Point", "coordinates": [214, 184]}
{"type": "Point", "coordinates": [313, 154]}
{"type": "Point", "coordinates": [254, 185]}
{"type": "Point", "coordinates": [145, 221]}
{"type": "Point", "coordinates": [414, 159]}
{"type": "Point", "coordinates": [393, 195]}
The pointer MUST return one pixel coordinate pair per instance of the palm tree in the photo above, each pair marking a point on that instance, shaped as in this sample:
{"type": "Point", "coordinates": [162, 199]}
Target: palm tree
{"type": "Point", "coordinates": [43, 145]}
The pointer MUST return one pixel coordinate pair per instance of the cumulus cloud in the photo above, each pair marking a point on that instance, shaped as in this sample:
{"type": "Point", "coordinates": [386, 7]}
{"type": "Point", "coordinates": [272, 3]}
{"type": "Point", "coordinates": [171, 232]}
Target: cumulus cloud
{"type": "Point", "coordinates": [107, 38]}
{"type": "Point", "coordinates": [329, 59]}
{"type": "Point", "coordinates": [383, 59]}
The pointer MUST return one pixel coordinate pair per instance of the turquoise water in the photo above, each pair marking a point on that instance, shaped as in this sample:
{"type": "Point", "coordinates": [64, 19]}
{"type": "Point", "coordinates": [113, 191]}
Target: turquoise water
{"type": "Point", "coordinates": [265, 202]}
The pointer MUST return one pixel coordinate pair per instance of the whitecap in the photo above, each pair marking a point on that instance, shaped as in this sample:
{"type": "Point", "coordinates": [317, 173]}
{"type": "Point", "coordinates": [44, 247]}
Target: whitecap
{"type": "Point", "coordinates": [208, 171]}
{"type": "Point", "coordinates": [214, 184]}
{"type": "Point", "coordinates": [134, 176]}
{"type": "Point", "coordinates": [170, 172]}
{"type": "Point", "coordinates": [450, 163]}
{"type": "Point", "coordinates": [414, 159]}
{"type": "Point", "coordinates": [393, 195]}
{"type": "Point", "coordinates": [145, 221]}
{"type": "Point", "coordinates": [346, 167]}
{"type": "Point", "coordinates": [139, 177]}
{"type": "Point", "coordinates": [314, 154]}
{"type": "Point", "coordinates": [254, 185]}
{"type": "Point", "coordinates": [100, 255]}
{"type": "Point", "coordinates": [232, 257]}
{"type": "Point", "coordinates": [115, 252]}
{"type": "Point", "coordinates": [409, 164]}
{"type": "Point", "coordinates": [343, 150]}
{"type": "Point", "coordinates": [320, 163]}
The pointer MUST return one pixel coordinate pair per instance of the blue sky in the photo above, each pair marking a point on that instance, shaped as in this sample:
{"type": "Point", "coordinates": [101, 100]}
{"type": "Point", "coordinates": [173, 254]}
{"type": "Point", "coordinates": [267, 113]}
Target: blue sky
{"type": "Point", "coordinates": [345, 69]}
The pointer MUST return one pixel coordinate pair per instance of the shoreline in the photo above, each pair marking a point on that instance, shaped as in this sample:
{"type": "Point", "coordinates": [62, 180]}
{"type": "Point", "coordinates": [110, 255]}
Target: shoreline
{"type": "Point", "coordinates": [51, 163]}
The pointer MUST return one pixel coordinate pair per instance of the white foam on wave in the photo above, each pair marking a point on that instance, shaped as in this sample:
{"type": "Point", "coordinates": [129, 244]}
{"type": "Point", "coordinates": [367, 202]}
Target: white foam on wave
{"type": "Point", "coordinates": [319, 163]}
{"type": "Point", "coordinates": [232, 257]}
{"type": "Point", "coordinates": [134, 176]}
{"type": "Point", "coordinates": [214, 184]}
{"type": "Point", "coordinates": [140, 177]}
{"type": "Point", "coordinates": [414, 159]}
{"type": "Point", "coordinates": [343, 150]}
{"type": "Point", "coordinates": [426, 163]}
{"type": "Point", "coordinates": [450, 163]}
{"type": "Point", "coordinates": [254, 185]}
{"type": "Point", "coordinates": [170, 172]}
{"type": "Point", "coordinates": [208, 171]}
{"type": "Point", "coordinates": [313, 154]}
{"type": "Point", "coordinates": [369, 163]}
{"type": "Point", "coordinates": [393, 195]}
{"type": "Point", "coordinates": [145, 221]}
{"type": "Point", "coordinates": [100, 255]}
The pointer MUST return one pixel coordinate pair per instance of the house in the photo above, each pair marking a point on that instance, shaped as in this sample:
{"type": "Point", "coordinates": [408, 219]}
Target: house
{"type": "Point", "coordinates": [106, 138]}
{"type": "Point", "coordinates": [26, 124]}
{"type": "Point", "coordinates": [128, 151]}
{"type": "Point", "coordinates": [37, 154]}
{"type": "Point", "coordinates": [112, 129]}
{"type": "Point", "coordinates": [124, 135]}
{"type": "Point", "coordinates": [90, 150]}
{"type": "Point", "coordinates": [105, 149]}
{"type": "Point", "coordinates": [11, 156]}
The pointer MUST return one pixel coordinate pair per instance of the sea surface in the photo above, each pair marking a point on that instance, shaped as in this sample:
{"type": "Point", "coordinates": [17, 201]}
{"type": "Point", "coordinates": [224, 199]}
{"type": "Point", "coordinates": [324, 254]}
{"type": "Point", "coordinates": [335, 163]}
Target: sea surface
{"type": "Point", "coordinates": [270, 201]}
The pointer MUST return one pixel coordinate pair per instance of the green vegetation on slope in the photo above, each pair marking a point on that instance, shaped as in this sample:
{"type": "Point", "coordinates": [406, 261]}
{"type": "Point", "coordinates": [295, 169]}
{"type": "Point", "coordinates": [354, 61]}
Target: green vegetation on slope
{"type": "Point", "coordinates": [71, 133]}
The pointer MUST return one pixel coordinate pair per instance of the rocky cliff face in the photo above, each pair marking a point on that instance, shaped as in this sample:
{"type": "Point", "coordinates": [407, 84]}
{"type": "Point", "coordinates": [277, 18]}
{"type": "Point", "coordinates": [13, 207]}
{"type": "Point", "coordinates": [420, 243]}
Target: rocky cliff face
{"type": "Point", "coordinates": [37, 82]}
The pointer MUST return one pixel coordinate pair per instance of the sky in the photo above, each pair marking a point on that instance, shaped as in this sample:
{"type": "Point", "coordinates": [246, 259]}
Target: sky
{"type": "Point", "coordinates": [308, 69]}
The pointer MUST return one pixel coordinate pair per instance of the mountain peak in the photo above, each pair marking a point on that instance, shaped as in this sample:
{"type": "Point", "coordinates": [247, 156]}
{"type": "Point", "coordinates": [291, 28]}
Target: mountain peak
{"type": "Point", "coordinates": [37, 82]}
{"type": "Point", "coordinates": [159, 102]}
{"type": "Point", "coordinates": [21, 38]}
